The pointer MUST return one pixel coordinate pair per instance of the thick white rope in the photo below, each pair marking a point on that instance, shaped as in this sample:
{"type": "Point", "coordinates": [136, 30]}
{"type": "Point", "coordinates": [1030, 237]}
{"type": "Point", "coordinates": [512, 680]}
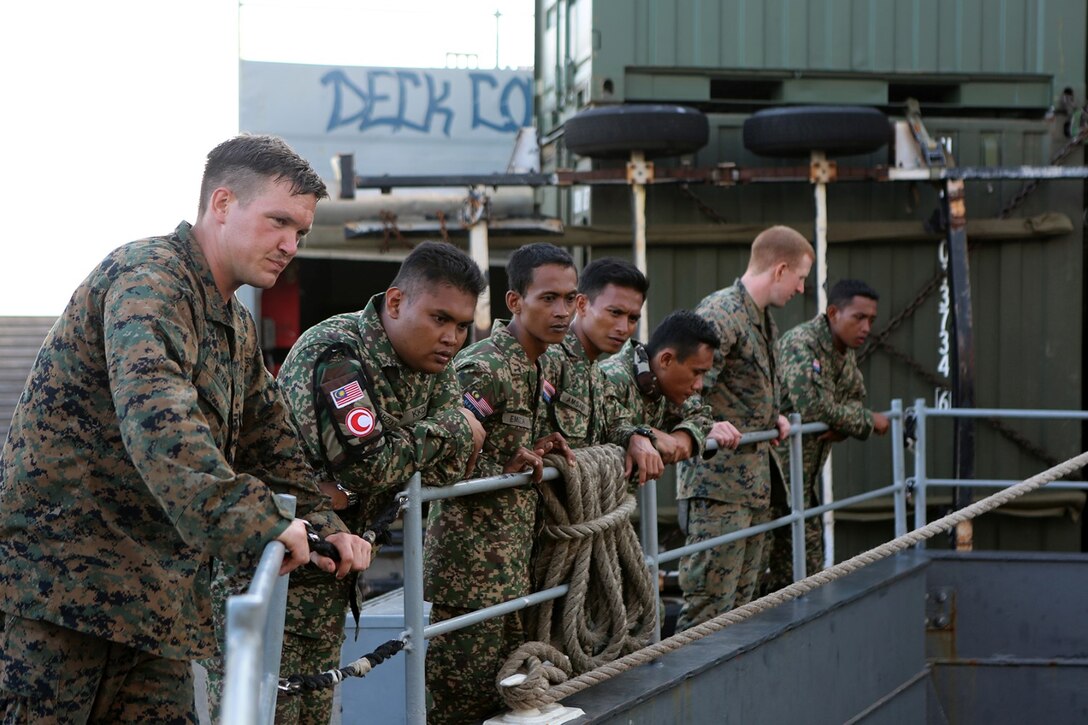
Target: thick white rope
{"type": "Point", "coordinates": [558, 691]}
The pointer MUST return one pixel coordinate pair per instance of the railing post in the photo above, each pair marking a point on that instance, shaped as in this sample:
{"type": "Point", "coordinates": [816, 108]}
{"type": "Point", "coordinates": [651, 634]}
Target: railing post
{"type": "Point", "coordinates": [254, 639]}
{"type": "Point", "coordinates": [797, 497]}
{"type": "Point", "coordinates": [648, 524]}
{"type": "Point", "coordinates": [899, 476]}
{"type": "Point", "coordinates": [415, 705]}
{"type": "Point", "coordinates": [920, 467]}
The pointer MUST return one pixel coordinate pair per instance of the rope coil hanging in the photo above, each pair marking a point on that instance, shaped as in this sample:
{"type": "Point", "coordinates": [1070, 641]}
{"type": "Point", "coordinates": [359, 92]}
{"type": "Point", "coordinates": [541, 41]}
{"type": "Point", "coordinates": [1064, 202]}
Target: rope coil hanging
{"type": "Point", "coordinates": [587, 541]}
{"type": "Point", "coordinates": [556, 692]}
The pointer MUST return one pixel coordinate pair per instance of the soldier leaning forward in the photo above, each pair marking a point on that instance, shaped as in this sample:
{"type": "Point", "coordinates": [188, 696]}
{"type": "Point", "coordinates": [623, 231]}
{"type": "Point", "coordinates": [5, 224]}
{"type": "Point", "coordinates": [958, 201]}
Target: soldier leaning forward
{"type": "Point", "coordinates": [478, 547]}
{"type": "Point", "coordinates": [146, 442]}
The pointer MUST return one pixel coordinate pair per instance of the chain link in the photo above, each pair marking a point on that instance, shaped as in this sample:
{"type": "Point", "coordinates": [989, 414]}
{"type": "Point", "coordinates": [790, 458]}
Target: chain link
{"type": "Point", "coordinates": [703, 206]}
{"type": "Point", "coordinates": [1028, 187]}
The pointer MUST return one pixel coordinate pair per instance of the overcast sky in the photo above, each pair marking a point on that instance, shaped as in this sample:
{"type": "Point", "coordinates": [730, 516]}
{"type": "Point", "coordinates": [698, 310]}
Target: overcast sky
{"type": "Point", "coordinates": [111, 106]}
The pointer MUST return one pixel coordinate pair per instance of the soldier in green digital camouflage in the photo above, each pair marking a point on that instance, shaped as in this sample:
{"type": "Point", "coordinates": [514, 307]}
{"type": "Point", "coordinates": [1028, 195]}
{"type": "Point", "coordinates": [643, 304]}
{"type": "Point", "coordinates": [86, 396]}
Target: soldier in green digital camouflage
{"type": "Point", "coordinates": [821, 382]}
{"type": "Point", "coordinates": [375, 400]}
{"type": "Point", "coordinates": [132, 455]}
{"type": "Point", "coordinates": [478, 547]}
{"type": "Point", "coordinates": [609, 303]}
{"type": "Point", "coordinates": [733, 490]}
{"type": "Point", "coordinates": [656, 383]}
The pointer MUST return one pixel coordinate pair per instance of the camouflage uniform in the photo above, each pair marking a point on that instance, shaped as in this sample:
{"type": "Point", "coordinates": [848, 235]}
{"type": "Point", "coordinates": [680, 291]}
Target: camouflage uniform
{"type": "Point", "coordinates": [127, 467]}
{"type": "Point", "coordinates": [421, 429]}
{"type": "Point", "coordinates": [582, 411]}
{"type": "Point", "coordinates": [733, 489]}
{"type": "Point", "coordinates": [478, 547]}
{"type": "Point", "coordinates": [823, 385]}
{"type": "Point", "coordinates": [657, 411]}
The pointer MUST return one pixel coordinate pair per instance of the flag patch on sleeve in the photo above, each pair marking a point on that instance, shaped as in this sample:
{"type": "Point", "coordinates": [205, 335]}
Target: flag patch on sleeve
{"type": "Point", "coordinates": [346, 394]}
{"type": "Point", "coordinates": [477, 404]}
{"type": "Point", "coordinates": [816, 367]}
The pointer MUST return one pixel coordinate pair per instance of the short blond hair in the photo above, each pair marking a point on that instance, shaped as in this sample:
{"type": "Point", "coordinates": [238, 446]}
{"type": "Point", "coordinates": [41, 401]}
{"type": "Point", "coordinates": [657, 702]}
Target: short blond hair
{"type": "Point", "coordinates": [778, 244]}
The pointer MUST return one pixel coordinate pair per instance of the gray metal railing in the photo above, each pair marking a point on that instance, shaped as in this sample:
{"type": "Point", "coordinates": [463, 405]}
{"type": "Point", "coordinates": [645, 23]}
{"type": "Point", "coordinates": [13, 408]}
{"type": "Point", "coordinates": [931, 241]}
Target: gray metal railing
{"type": "Point", "coordinates": [415, 495]}
{"type": "Point", "coordinates": [921, 481]}
{"type": "Point", "coordinates": [254, 640]}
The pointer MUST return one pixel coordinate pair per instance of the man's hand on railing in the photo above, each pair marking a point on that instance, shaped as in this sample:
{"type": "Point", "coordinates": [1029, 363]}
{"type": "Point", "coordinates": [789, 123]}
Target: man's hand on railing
{"type": "Point", "coordinates": [296, 540]}
{"type": "Point", "coordinates": [355, 554]}
{"type": "Point", "coordinates": [554, 443]}
{"type": "Point", "coordinates": [524, 458]}
{"type": "Point", "coordinates": [673, 447]}
{"type": "Point", "coordinates": [642, 454]}
{"type": "Point", "coordinates": [880, 423]}
{"type": "Point", "coordinates": [725, 434]}
{"type": "Point", "coordinates": [783, 426]}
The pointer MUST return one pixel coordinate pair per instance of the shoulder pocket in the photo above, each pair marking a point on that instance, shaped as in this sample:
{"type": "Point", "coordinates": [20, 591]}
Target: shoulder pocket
{"type": "Point", "coordinates": [349, 419]}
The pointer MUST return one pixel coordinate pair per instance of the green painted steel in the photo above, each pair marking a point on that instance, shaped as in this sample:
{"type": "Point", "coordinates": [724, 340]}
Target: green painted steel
{"type": "Point", "coordinates": [986, 74]}
{"type": "Point", "coordinates": [954, 53]}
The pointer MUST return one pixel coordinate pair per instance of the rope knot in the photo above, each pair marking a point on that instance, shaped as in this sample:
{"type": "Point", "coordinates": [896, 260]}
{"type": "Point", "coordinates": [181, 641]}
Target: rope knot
{"type": "Point", "coordinates": [541, 666]}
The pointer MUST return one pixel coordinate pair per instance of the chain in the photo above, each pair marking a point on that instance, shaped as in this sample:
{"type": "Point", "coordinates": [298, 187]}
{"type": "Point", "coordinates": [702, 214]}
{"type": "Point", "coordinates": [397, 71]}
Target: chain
{"type": "Point", "coordinates": [389, 229]}
{"type": "Point", "coordinates": [1028, 187]}
{"type": "Point", "coordinates": [703, 206]}
{"type": "Point", "coordinates": [442, 226]}
{"type": "Point", "coordinates": [893, 324]}
{"type": "Point", "coordinates": [1009, 434]}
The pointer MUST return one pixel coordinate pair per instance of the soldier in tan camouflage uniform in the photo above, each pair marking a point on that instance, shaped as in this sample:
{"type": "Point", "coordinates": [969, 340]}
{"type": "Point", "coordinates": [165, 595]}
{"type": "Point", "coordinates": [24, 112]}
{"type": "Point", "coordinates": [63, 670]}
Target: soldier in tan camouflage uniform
{"type": "Point", "coordinates": [131, 457]}
{"type": "Point", "coordinates": [478, 547]}
{"type": "Point", "coordinates": [609, 303]}
{"type": "Point", "coordinates": [733, 490]}
{"type": "Point", "coordinates": [821, 381]}
{"type": "Point", "coordinates": [656, 383]}
{"type": "Point", "coordinates": [402, 413]}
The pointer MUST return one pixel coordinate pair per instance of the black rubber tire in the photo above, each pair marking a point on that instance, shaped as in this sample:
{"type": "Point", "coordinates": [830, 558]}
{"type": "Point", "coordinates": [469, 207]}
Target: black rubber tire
{"type": "Point", "coordinates": [799, 130]}
{"type": "Point", "coordinates": [613, 132]}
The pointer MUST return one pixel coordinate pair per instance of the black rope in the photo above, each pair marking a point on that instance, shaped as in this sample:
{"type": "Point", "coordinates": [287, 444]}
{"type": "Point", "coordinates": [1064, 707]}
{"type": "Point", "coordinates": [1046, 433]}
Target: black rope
{"type": "Point", "coordinates": [296, 684]}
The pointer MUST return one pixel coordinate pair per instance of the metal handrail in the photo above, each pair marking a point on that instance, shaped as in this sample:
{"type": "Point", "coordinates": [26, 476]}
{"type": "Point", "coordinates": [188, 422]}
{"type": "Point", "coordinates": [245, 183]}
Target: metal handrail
{"type": "Point", "coordinates": [254, 639]}
{"type": "Point", "coordinates": [415, 495]}
{"type": "Point", "coordinates": [921, 480]}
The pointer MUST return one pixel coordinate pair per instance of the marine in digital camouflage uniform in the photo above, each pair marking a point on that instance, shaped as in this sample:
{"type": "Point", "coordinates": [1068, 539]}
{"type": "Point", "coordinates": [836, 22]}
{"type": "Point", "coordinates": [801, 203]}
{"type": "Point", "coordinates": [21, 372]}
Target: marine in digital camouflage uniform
{"type": "Point", "coordinates": [821, 381]}
{"type": "Point", "coordinates": [371, 418]}
{"type": "Point", "coordinates": [733, 490]}
{"type": "Point", "coordinates": [129, 463]}
{"type": "Point", "coordinates": [478, 547]}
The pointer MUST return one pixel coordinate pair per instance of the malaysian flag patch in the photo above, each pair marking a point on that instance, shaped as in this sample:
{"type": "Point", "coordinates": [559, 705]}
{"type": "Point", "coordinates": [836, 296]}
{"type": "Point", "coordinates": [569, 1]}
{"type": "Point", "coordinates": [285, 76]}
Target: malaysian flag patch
{"type": "Point", "coordinates": [477, 404]}
{"type": "Point", "coordinates": [346, 394]}
{"type": "Point", "coordinates": [816, 367]}
{"type": "Point", "coordinates": [547, 391]}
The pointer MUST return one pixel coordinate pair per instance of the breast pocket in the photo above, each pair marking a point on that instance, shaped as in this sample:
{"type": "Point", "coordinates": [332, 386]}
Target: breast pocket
{"type": "Point", "coordinates": [215, 403]}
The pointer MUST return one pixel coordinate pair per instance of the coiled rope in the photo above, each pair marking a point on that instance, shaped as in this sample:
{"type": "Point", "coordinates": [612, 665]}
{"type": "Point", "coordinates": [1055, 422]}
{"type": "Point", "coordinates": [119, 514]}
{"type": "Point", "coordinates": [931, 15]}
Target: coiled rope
{"type": "Point", "coordinates": [587, 541]}
{"type": "Point", "coordinates": [544, 694]}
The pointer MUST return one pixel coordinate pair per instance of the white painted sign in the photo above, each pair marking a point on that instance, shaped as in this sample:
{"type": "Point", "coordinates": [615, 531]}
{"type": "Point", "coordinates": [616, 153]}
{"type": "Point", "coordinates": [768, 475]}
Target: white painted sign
{"type": "Point", "coordinates": [395, 120]}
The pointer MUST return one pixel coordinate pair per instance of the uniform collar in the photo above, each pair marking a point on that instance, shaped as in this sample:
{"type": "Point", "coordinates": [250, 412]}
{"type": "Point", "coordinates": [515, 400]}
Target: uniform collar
{"type": "Point", "coordinates": [823, 335]}
{"type": "Point", "coordinates": [750, 306]}
{"type": "Point", "coordinates": [573, 347]}
{"type": "Point", "coordinates": [218, 310]}
{"type": "Point", "coordinates": [380, 349]}
{"type": "Point", "coordinates": [508, 345]}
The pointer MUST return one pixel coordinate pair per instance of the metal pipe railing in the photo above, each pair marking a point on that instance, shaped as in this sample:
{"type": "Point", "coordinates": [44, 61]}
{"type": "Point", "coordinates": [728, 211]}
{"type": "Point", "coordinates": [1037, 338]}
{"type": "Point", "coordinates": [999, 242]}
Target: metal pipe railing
{"type": "Point", "coordinates": [254, 639]}
{"type": "Point", "coordinates": [413, 538]}
{"type": "Point", "coordinates": [921, 480]}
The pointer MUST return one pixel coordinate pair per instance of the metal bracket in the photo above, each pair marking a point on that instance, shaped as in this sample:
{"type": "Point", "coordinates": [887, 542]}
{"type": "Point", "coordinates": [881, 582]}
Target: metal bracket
{"type": "Point", "coordinates": [640, 172]}
{"type": "Point", "coordinates": [823, 171]}
{"type": "Point", "coordinates": [725, 174]}
{"type": "Point", "coordinates": [941, 608]}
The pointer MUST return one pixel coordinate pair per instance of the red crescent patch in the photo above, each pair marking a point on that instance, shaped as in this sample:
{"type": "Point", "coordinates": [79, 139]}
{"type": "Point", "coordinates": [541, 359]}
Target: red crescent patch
{"type": "Point", "coordinates": [360, 422]}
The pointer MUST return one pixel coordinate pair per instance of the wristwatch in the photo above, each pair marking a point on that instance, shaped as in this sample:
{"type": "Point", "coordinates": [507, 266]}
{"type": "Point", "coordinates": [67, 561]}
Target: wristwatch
{"type": "Point", "coordinates": [645, 430]}
{"type": "Point", "coordinates": [352, 496]}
